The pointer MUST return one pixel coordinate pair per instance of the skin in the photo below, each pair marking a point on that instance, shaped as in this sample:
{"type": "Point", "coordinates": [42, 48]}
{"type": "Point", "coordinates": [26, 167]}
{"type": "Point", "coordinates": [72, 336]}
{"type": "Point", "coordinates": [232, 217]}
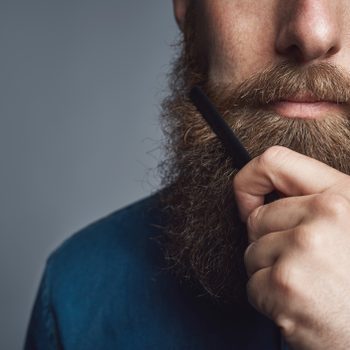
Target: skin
{"type": "Point", "coordinates": [298, 259]}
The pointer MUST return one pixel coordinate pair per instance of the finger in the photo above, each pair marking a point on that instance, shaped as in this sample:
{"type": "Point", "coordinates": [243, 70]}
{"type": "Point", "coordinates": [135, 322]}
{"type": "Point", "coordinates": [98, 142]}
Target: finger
{"type": "Point", "coordinates": [281, 169]}
{"type": "Point", "coordinates": [265, 251]}
{"type": "Point", "coordinates": [268, 298]}
{"type": "Point", "coordinates": [283, 214]}
{"type": "Point", "coordinates": [259, 292]}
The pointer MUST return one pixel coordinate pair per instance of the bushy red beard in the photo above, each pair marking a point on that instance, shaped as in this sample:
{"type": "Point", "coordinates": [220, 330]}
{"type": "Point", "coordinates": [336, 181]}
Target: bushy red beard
{"type": "Point", "coordinates": [204, 240]}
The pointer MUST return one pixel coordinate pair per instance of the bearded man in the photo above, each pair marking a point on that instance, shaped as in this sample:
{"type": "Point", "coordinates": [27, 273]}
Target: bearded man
{"type": "Point", "coordinates": [204, 263]}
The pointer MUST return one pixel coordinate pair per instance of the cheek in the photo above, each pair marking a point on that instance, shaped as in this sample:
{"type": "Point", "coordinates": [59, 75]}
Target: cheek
{"type": "Point", "coordinates": [239, 40]}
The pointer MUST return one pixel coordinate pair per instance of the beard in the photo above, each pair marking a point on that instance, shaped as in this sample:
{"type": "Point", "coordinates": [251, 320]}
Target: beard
{"type": "Point", "coordinates": [204, 240]}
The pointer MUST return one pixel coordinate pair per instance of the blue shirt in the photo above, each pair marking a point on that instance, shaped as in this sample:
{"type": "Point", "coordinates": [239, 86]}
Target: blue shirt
{"type": "Point", "coordinates": [106, 288]}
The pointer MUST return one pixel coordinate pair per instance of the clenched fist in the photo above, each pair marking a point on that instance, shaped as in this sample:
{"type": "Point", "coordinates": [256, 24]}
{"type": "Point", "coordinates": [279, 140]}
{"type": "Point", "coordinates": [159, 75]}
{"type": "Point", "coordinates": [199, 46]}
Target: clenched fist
{"type": "Point", "coordinates": [298, 260]}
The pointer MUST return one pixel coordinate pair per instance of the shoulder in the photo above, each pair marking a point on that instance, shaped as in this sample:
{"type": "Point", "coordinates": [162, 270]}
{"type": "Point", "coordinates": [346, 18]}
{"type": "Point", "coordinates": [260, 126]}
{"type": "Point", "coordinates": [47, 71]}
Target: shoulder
{"type": "Point", "coordinates": [120, 244]}
{"type": "Point", "coordinates": [93, 278]}
{"type": "Point", "coordinates": [137, 220]}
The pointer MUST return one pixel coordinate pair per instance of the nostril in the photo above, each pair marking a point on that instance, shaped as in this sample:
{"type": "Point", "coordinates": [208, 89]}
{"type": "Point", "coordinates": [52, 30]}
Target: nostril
{"type": "Point", "coordinates": [332, 51]}
{"type": "Point", "coordinates": [293, 52]}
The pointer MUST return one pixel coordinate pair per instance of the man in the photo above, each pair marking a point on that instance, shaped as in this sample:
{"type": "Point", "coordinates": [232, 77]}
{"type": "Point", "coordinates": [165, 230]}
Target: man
{"type": "Point", "coordinates": [203, 263]}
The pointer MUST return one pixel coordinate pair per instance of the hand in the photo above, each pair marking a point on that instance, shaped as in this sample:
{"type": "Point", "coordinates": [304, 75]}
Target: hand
{"type": "Point", "coordinates": [298, 260]}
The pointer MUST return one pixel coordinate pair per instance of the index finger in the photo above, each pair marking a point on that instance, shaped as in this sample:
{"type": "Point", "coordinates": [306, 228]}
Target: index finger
{"type": "Point", "coordinates": [284, 170]}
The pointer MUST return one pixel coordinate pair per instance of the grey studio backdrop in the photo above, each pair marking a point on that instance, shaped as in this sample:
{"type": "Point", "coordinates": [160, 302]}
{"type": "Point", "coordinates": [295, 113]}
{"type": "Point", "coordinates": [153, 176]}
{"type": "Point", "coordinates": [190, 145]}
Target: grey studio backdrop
{"type": "Point", "coordinates": [81, 82]}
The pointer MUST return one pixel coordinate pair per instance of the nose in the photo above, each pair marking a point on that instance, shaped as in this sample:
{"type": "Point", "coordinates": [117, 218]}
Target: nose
{"type": "Point", "coordinates": [309, 29]}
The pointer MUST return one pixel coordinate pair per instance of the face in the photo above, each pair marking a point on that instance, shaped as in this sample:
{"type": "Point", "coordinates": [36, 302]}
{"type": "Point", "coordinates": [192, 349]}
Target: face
{"type": "Point", "coordinates": [237, 39]}
{"type": "Point", "coordinates": [240, 38]}
{"type": "Point", "coordinates": [277, 70]}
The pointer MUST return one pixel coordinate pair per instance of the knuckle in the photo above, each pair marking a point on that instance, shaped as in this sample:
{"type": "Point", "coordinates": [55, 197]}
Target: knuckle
{"type": "Point", "coordinates": [273, 155]}
{"type": "Point", "coordinates": [286, 325]}
{"type": "Point", "coordinates": [339, 205]}
{"type": "Point", "coordinates": [306, 239]}
{"type": "Point", "coordinates": [331, 204]}
{"type": "Point", "coordinates": [283, 277]}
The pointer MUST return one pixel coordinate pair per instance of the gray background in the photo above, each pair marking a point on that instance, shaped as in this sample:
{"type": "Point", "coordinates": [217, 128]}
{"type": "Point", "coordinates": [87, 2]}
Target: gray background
{"type": "Point", "coordinates": [80, 85]}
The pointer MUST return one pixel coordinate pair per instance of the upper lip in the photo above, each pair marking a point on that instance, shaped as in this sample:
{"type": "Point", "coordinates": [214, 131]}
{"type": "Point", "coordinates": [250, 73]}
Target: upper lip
{"type": "Point", "coordinates": [304, 98]}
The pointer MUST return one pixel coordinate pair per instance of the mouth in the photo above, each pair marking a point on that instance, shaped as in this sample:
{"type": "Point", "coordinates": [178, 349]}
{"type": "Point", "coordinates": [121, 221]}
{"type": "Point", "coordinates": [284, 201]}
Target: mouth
{"type": "Point", "coordinates": [306, 106]}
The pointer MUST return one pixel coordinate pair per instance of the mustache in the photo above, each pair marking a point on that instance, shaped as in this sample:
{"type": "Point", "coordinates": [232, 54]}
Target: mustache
{"type": "Point", "coordinates": [319, 82]}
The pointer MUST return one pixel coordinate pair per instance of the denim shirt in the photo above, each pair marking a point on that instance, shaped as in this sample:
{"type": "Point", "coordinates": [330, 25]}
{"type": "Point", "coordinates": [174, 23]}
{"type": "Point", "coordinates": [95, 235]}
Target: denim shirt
{"type": "Point", "coordinates": [106, 288]}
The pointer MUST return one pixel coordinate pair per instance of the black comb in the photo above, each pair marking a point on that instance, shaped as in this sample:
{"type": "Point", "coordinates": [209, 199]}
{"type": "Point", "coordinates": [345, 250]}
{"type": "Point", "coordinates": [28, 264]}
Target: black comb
{"type": "Point", "coordinates": [230, 141]}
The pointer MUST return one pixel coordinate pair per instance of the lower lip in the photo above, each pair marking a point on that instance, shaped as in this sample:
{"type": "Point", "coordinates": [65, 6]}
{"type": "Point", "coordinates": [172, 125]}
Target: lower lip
{"type": "Point", "coordinates": [306, 110]}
